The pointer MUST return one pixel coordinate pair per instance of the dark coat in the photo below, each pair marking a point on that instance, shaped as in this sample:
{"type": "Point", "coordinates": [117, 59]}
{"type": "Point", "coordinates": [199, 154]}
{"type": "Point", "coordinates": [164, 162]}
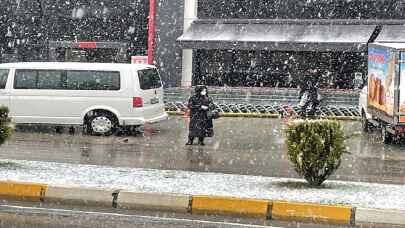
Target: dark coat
{"type": "Point", "coordinates": [312, 92]}
{"type": "Point", "coordinates": [200, 124]}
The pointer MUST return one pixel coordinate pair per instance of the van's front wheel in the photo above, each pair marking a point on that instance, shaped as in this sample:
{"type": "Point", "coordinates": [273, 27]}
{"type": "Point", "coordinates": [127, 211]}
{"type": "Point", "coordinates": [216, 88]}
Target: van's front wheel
{"type": "Point", "coordinates": [104, 124]}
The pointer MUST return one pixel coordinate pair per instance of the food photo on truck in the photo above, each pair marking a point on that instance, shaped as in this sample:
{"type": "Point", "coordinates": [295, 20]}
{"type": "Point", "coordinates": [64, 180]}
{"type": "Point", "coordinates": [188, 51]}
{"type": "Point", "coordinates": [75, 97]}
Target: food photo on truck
{"type": "Point", "coordinates": [382, 102]}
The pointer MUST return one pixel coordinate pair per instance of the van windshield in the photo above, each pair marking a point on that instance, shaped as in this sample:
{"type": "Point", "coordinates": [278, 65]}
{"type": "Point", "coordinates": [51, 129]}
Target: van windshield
{"type": "Point", "coordinates": [149, 79]}
{"type": "Point", "coordinates": [3, 78]}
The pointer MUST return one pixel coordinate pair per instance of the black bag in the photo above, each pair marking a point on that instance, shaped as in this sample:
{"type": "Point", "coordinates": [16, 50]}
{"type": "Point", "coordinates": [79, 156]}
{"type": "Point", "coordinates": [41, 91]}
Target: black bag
{"type": "Point", "coordinates": [209, 132]}
{"type": "Point", "coordinates": [213, 114]}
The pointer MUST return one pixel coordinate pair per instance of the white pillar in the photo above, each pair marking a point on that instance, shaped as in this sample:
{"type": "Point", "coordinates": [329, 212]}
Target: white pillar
{"type": "Point", "coordinates": [190, 14]}
{"type": "Point", "coordinates": [187, 68]}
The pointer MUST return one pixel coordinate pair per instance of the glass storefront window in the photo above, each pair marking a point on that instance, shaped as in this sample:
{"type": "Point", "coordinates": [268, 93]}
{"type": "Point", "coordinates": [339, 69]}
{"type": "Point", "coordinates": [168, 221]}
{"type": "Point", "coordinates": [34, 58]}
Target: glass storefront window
{"type": "Point", "coordinates": [241, 68]}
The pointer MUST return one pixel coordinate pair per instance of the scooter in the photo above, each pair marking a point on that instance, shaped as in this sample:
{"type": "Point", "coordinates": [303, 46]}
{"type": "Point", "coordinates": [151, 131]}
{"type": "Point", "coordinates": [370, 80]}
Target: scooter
{"type": "Point", "coordinates": [308, 107]}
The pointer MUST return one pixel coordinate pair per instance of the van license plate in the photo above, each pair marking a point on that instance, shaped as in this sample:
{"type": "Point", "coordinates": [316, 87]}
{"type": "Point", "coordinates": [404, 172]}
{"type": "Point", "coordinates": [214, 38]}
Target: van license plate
{"type": "Point", "coordinates": [154, 100]}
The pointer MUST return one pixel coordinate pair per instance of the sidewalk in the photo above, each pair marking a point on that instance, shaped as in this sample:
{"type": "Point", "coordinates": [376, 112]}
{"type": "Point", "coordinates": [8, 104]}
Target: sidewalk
{"type": "Point", "coordinates": [267, 197]}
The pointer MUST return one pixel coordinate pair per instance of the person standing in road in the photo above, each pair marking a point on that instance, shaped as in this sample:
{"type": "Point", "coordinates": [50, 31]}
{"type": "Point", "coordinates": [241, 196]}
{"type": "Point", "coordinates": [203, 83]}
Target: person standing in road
{"type": "Point", "coordinates": [200, 104]}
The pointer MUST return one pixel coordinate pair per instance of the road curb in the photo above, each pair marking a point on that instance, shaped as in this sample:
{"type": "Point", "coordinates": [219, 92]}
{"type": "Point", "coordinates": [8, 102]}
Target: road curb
{"type": "Point", "coordinates": [309, 212]}
{"type": "Point", "coordinates": [265, 116]}
{"type": "Point", "coordinates": [200, 204]}
{"type": "Point", "coordinates": [22, 190]}
{"type": "Point", "coordinates": [366, 215]}
{"type": "Point", "coordinates": [153, 201]}
{"type": "Point", "coordinates": [79, 196]}
{"type": "Point", "coordinates": [229, 206]}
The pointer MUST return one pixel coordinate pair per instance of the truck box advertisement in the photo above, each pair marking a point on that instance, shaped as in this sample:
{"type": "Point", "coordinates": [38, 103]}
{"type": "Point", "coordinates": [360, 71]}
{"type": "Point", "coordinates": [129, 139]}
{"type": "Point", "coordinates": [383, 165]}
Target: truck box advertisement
{"type": "Point", "coordinates": [381, 73]}
{"type": "Point", "coordinates": [402, 88]}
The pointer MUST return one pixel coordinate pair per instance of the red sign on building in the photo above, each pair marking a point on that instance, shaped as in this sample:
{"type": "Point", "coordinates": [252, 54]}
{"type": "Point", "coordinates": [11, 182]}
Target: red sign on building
{"type": "Point", "coordinates": [139, 59]}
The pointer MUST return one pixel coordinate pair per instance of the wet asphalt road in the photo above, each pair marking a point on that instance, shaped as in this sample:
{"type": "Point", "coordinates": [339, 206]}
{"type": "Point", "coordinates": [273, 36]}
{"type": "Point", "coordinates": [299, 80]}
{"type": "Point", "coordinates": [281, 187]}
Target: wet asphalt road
{"type": "Point", "coordinates": [31, 215]}
{"type": "Point", "coordinates": [241, 146]}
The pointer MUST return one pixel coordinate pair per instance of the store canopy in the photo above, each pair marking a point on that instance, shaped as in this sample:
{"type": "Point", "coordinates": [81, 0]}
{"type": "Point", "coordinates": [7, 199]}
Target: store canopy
{"type": "Point", "coordinates": [392, 33]}
{"type": "Point", "coordinates": [282, 37]}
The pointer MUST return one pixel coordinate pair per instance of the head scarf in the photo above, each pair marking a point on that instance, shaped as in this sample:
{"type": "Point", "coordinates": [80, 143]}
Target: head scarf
{"type": "Point", "coordinates": [200, 88]}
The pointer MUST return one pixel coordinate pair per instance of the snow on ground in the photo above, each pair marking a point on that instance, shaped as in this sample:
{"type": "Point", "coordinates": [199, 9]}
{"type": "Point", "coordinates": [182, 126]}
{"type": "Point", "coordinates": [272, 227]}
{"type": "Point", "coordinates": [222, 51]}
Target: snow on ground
{"type": "Point", "coordinates": [368, 195]}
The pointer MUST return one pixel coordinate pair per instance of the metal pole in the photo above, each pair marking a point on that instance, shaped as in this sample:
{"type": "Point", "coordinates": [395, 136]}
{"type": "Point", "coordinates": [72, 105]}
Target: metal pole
{"type": "Point", "coordinates": [151, 30]}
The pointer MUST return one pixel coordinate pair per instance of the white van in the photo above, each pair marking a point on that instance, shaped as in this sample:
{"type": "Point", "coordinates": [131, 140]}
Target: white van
{"type": "Point", "coordinates": [99, 96]}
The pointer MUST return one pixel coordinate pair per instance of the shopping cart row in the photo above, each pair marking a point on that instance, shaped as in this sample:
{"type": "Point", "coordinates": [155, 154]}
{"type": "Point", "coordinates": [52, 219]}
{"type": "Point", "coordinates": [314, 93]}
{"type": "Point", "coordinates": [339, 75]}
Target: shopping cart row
{"type": "Point", "coordinates": [275, 109]}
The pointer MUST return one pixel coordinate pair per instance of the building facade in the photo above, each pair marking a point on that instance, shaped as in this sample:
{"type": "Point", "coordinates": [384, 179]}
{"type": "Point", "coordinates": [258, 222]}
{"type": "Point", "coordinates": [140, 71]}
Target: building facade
{"type": "Point", "coordinates": [38, 30]}
{"type": "Point", "coordinates": [225, 43]}
{"type": "Point", "coordinates": [265, 43]}
{"type": "Point", "coordinates": [93, 31]}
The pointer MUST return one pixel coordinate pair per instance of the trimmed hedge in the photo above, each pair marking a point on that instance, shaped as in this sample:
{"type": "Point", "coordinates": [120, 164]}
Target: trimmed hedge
{"type": "Point", "coordinates": [315, 148]}
{"type": "Point", "coordinates": [5, 124]}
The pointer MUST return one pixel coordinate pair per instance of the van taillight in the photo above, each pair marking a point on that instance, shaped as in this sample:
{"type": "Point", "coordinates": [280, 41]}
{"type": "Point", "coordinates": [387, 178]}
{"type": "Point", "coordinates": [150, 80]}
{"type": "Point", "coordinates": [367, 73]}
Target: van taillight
{"type": "Point", "coordinates": [137, 102]}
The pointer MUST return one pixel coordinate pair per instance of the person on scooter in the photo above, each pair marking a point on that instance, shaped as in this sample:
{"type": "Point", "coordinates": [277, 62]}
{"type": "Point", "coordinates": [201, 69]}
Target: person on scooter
{"type": "Point", "coordinates": [309, 94]}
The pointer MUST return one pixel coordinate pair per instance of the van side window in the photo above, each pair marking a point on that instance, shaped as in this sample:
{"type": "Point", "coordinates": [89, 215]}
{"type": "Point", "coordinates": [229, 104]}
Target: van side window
{"type": "Point", "coordinates": [3, 78]}
{"type": "Point", "coordinates": [92, 80]}
{"type": "Point", "coordinates": [149, 79]}
{"type": "Point", "coordinates": [67, 79]}
{"type": "Point", "coordinates": [38, 79]}
{"type": "Point", "coordinates": [50, 79]}
{"type": "Point", "coordinates": [25, 79]}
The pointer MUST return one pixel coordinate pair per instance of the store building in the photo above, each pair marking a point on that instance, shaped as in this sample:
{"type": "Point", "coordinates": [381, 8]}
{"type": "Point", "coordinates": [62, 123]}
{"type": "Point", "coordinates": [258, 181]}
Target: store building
{"type": "Point", "coordinates": [265, 43]}
{"type": "Point", "coordinates": [232, 43]}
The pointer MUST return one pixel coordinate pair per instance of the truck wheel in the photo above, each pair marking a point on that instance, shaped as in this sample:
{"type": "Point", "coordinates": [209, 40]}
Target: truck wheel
{"type": "Point", "coordinates": [365, 125]}
{"type": "Point", "coordinates": [386, 136]}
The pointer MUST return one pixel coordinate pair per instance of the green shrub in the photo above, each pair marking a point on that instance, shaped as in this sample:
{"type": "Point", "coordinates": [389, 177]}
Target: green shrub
{"type": "Point", "coordinates": [315, 147]}
{"type": "Point", "coordinates": [5, 124]}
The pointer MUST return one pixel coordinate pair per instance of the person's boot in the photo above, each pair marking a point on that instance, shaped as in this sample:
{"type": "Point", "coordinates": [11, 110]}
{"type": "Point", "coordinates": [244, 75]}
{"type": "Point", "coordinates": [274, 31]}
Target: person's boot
{"type": "Point", "coordinates": [201, 141]}
{"type": "Point", "coordinates": [190, 141]}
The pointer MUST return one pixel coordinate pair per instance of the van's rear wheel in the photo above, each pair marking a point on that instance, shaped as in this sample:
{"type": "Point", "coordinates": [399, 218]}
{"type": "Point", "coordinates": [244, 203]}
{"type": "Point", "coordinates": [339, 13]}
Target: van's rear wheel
{"type": "Point", "coordinates": [102, 123]}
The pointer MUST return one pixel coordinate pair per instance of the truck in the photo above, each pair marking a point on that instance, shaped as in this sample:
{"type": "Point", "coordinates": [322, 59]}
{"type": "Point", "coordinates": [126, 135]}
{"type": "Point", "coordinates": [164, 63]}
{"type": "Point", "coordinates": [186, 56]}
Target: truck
{"type": "Point", "coordinates": [386, 90]}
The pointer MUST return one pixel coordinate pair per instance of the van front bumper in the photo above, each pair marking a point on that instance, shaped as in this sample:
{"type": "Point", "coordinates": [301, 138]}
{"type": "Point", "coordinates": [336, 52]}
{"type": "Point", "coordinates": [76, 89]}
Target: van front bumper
{"type": "Point", "coordinates": [133, 121]}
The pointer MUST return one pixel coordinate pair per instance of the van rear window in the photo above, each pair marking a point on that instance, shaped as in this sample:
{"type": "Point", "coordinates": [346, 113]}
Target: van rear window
{"type": "Point", "coordinates": [149, 79]}
{"type": "Point", "coordinates": [3, 78]}
{"type": "Point", "coordinates": [67, 80]}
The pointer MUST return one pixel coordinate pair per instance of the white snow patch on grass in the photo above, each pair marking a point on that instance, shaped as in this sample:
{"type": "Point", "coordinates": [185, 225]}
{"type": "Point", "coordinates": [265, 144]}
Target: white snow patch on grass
{"type": "Point", "coordinates": [368, 195]}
